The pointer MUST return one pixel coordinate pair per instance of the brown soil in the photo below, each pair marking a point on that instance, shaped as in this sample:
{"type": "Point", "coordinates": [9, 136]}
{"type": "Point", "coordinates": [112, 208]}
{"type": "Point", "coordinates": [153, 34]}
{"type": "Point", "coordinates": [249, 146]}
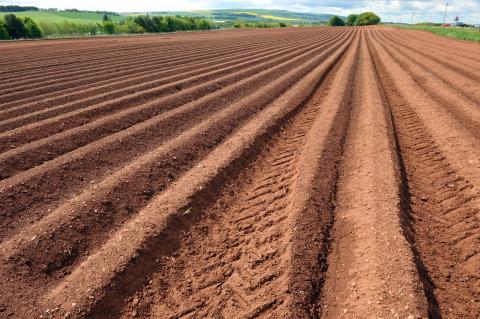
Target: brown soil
{"type": "Point", "coordinates": [283, 173]}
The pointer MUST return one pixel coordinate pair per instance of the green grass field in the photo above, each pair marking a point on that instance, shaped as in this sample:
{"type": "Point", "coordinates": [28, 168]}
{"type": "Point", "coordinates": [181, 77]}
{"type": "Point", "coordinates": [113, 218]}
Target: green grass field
{"type": "Point", "coordinates": [470, 34]}
{"type": "Point", "coordinates": [58, 17]}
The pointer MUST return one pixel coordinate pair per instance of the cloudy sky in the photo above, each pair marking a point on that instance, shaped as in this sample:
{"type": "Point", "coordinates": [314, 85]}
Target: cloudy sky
{"type": "Point", "coordinates": [389, 10]}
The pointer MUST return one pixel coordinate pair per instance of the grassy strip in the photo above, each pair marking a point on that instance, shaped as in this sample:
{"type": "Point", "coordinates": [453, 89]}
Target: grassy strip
{"type": "Point", "coordinates": [469, 34]}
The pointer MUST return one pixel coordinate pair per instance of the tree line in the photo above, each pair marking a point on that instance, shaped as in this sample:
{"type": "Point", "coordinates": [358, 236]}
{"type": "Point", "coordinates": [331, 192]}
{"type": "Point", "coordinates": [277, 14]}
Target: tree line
{"type": "Point", "coordinates": [152, 24]}
{"type": "Point", "coordinates": [14, 8]}
{"type": "Point", "coordinates": [13, 27]}
{"type": "Point", "coordinates": [366, 18]}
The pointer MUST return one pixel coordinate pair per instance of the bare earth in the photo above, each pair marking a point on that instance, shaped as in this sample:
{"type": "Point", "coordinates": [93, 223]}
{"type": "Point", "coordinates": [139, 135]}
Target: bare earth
{"type": "Point", "coordinates": [283, 173]}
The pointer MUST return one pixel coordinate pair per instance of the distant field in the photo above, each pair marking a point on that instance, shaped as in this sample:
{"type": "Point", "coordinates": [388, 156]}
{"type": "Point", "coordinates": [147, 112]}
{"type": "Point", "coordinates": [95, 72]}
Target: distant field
{"type": "Point", "coordinates": [267, 16]}
{"type": "Point", "coordinates": [264, 15]}
{"type": "Point", "coordinates": [56, 17]}
{"type": "Point", "coordinates": [470, 34]}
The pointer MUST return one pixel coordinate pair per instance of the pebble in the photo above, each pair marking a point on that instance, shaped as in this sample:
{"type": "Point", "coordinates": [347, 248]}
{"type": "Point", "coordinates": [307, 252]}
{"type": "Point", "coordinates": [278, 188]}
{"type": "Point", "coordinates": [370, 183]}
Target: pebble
{"type": "Point", "coordinates": [135, 301]}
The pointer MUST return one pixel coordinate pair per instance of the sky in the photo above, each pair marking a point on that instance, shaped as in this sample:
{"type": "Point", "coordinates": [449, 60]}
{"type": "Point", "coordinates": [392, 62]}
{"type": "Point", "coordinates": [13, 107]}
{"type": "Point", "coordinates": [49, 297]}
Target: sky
{"type": "Point", "coordinates": [389, 10]}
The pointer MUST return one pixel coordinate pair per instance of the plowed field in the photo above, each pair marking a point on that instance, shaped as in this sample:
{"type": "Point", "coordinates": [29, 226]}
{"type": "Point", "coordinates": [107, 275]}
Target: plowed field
{"type": "Point", "coordinates": [283, 173]}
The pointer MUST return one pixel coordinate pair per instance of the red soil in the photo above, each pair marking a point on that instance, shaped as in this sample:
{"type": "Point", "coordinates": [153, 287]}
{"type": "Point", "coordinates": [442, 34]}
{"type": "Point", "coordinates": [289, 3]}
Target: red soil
{"type": "Point", "coordinates": [284, 173]}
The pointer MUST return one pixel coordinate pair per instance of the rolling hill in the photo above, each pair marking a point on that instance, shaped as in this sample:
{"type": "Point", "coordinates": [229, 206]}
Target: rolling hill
{"type": "Point", "coordinates": [252, 15]}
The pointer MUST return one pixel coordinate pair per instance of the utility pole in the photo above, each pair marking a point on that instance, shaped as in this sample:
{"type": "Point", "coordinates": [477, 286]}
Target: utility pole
{"type": "Point", "coordinates": [411, 22]}
{"type": "Point", "coordinates": [445, 16]}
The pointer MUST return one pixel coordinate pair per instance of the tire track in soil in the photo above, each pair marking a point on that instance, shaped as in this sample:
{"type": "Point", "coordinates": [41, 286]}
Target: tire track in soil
{"type": "Point", "coordinates": [364, 279]}
{"type": "Point", "coordinates": [116, 273]}
{"type": "Point", "coordinates": [443, 213]}
{"type": "Point", "coordinates": [240, 248]}
{"type": "Point", "coordinates": [35, 178]}
{"type": "Point", "coordinates": [302, 88]}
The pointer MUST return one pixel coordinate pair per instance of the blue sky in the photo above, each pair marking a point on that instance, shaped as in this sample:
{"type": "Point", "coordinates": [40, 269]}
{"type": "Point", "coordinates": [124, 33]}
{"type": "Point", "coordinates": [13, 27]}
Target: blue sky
{"type": "Point", "coordinates": [389, 10]}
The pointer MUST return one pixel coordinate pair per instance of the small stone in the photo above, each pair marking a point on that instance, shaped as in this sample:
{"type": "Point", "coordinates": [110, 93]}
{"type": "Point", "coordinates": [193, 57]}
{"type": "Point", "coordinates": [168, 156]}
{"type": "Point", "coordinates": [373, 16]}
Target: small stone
{"type": "Point", "coordinates": [135, 301]}
{"type": "Point", "coordinates": [424, 198]}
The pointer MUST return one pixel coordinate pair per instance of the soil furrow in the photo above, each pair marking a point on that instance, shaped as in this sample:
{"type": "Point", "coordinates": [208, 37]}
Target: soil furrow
{"type": "Point", "coordinates": [250, 226]}
{"type": "Point", "coordinates": [179, 47]}
{"type": "Point", "coordinates": [178, 96]}
{"type": "Point", "coordinates": [139, 70]}
{"type": "Point", "coordinates": [43, 150]}
{"type": "Point", "coordinates": [468, 51]}
{"type": "Point", "coordinates": [442, 210]}
{"type": "Point", "coordinates": [75, 61]}
{"type": "Point", "coordinates": [467, 87]}
{"type": "Point", "coordinates": [119, 88]}
{"type": "Point", "coordinates": [249, 134]}
{"type": "Point", "coordinates": [309, 172]}
{"type": "Point", "coordinates": [465, 110]}
{"type": "Point", "coordinates": [467, 70]}
{"type": "Point", "coordinates": [367, 219]}
{"type": "Point", "coordinates": [54, 172]}
{"type": "Point", "coordinates": [65, 47]}
{"type": "Point", "coordinates": [39, 90]}
{"type": "Point", "coordinates": [112, 70]}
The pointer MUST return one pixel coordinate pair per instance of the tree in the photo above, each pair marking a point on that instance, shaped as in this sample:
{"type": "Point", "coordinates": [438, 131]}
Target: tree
{"type": "Point", "coordinates": [32, 31]}
{"type": "Point", "coordinates": [351, 19]}
{"type": "Point", "coordinates": [14, 26]}
{"type": "Point", "coordinates": [282, 25]}
{"type": "Point", "coordinates": [109, 27]}
{"type": "Point", "coordinates": [146, 23]}
{"type": "Point", "coordinates": [159, 24]}
{"type": "Point", "coordinates": [336, 21]}
{"type": "Point", "coordinates": [3, 32]}
{"type": "Point", "coordinates": [105, 18]}
{"type": "Point", "coordinates": [129, 26]}
{"type": "Point", "coordinates": [203, 25]}
{"type": "Point", "coordinates": [367, 18]}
